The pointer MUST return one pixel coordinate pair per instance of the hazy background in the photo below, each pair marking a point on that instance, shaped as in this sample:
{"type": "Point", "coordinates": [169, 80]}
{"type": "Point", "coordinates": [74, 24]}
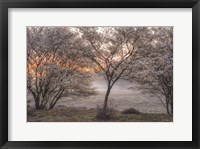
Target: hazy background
{"type": "Point", "coordinates": [121, 97]}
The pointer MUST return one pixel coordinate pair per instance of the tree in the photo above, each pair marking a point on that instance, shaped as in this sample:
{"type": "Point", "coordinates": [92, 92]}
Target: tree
{"type": "Point", "coordinates": [112, 49]}
{"type": "Point", "coordinates": [54, 65]}
{"type": "Point", "coordinates": [154, 66]}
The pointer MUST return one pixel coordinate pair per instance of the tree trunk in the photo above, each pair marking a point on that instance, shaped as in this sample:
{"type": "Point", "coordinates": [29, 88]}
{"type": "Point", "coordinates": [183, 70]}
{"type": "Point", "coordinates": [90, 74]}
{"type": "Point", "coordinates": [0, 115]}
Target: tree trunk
{"type": "Point", "coordinates": [167, 105]}
{"type": "Point", "coordinates": [106, 98]}
{"type": "Point", "coordinates": [37, 106]}
{"type": "Point", "coordinates": [171, 104]}
{"type": "Point", "coordinates": [51, 106]}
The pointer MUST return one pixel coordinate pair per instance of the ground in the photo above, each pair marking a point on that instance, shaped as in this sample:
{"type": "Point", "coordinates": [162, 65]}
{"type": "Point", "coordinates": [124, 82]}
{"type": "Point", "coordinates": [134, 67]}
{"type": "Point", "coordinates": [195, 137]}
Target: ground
{"type": "Point", "coordinates": [83, 109]}
{"type": "Point", "coordinates": [89, 115]}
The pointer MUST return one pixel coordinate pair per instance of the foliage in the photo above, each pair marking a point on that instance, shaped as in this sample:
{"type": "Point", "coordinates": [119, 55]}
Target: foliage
{"type": "Point", "coordinates": [103, 114]}
{"type": "Point", "coordinates": [54, 65]}
{"type": "Point", "coordinates": [130, 111]}
{"type": "Point", "coordinates": [154, 66]}
{"type": "Point", "coordinates": [112, 49]}
{"type": "Point", "coordinates": [58, 56]}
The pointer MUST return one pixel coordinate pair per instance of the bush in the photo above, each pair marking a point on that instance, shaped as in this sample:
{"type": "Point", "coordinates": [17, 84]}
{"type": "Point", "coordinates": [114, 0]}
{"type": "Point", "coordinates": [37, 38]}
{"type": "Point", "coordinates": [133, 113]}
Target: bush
{"type": "Point", "coordinates": [130, 111]}
{"type": "Point", "coordinates": [104, 114]}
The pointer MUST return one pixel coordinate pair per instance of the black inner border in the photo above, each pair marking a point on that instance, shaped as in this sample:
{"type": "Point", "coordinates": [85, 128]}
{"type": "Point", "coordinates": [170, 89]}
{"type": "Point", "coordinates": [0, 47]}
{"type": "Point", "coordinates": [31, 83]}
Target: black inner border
{"type": "Point", "coordinates": [6, 4]}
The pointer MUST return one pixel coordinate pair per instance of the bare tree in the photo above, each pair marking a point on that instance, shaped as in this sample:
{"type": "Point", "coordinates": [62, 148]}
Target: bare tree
{"type": "Point", "coordinates": [54, 65]}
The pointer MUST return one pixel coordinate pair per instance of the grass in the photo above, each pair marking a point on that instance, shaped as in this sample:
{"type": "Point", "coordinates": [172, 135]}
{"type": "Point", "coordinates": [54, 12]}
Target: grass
{"type": "Point", "coordinates": [89, 115]}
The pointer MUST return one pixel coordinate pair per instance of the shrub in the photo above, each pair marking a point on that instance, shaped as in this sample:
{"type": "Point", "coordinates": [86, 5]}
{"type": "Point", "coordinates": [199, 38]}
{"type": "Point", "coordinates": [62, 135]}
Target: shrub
{"type": "Point", "coordinates": [104, 114]}
{"type": "Point", "coordinates": [131, 111]}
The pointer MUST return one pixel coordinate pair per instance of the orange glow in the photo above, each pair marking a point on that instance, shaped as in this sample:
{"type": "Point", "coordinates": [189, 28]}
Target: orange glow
{"type": "Point", "coordinates": [86, 69]}
{"type": "Point", "coordinates": [42, 62]}
{"type": "Point", "coordinates": [32, 69]}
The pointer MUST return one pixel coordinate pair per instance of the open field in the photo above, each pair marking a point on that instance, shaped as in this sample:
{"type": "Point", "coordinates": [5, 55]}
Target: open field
{"type": "Point", "coordinates": [84, 115]}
